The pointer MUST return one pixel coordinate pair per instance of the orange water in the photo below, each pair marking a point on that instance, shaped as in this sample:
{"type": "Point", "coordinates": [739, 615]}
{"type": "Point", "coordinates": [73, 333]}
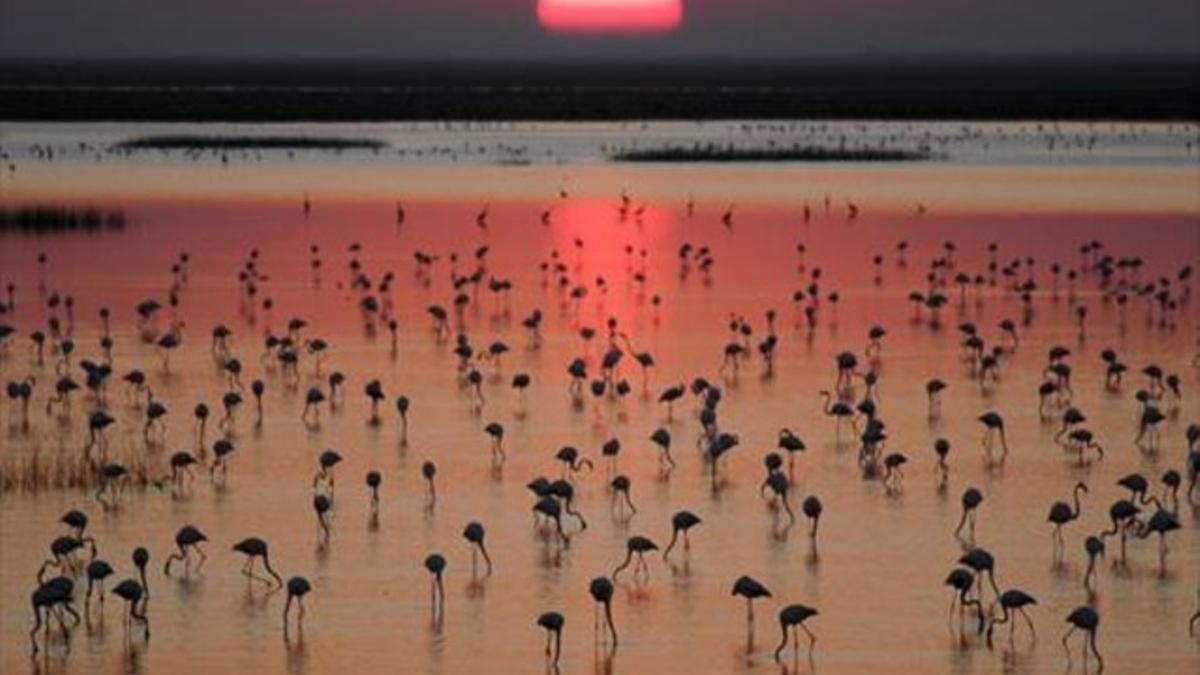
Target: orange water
{"type": "Point", "coordinates": [882, 557]}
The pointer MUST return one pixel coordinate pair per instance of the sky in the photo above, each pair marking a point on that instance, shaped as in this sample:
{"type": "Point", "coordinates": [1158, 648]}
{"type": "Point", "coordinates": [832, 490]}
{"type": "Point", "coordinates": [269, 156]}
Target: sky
{"type": "Point", "coordinates": [550, 29]}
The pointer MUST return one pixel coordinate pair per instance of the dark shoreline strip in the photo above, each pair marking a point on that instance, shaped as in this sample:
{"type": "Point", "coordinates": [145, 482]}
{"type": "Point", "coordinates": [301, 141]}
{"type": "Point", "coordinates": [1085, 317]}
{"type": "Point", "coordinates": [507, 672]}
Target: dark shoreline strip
{"type": "Point", "coordinates": [205, 142]}
{"type": "Point", "coordinates": [718, 153]}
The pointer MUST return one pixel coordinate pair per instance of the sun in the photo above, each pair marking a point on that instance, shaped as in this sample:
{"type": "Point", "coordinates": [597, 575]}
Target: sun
{"type": "Point", "coordinates": [610, 16]}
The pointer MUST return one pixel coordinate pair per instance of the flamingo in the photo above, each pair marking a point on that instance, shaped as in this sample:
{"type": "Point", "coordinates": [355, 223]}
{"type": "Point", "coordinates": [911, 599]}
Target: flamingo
{"type": "Point", "coordinates": [639, 546]}
{"type": "Point", "coordinates": [1012, 601]}
{"type": "Point", "coordinates": [1086, 619]}
{"type": "Point", "coordinates": [255, 548]}
{"type": "Point", "coordinates": [1061, 514]}
{"type": "Point", "coordinates": [750, 589]}
{"type": "Point", "coordinates": [297, 588]}
{"type": "Point", "coordinates": [971, 499]}
{"type": "Point", "coordinates": [553, 623]}
{"type": "Point", "coordinates": [132, 593]}
{"type": "Point", "coordinates": [601, 590]}
{"type": "Point", "coordinates": [682, 521]}
{"type": "Point", "coordinates": [474, 534]}
{"type": "Point", "coordinates": [962, 580]}
{"type": "Point", "coordinates": [790, 618]}
{"type": "Point", "coordinates": [187, 539]}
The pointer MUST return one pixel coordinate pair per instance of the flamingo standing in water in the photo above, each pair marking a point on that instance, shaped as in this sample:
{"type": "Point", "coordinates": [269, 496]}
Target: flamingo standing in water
{"type": "Point", "coordinates": [682, 521]}
{"type": "Point", "coordinates": [639, 546]}
{"type": "Point", "coordinates": [993, 428]}
{"type": "Point", "coordinates": [751, 590]}
{"type": "Point", "coordinates": [601, 590]}
{"type": "Point", "coordinates": [1086, 619]}
{"type": "Point", "coordinates": [131, 592]}
{"type": "Point", "coordinates": [1013, 601]}
{"type": "Point", "coordinates": [553, 623]}
{"type": "Point", "coordinates": [56, 592]}
{"type": "Point", "coordinates": [791, 618]}
{"type": "Point", "coordinates": [435, 564]}
{"type": "Point", "coordinates": [474, 534]}
{"type": "Point", "coordinates": [187, 539]}
{"type": "Point", "coordinates": [255, 548]}
{"type": "Point", "coordinates": [962, 580]}
{"type": "Point", "coordinates": [1061, 514]}
{"type": "Point", "coordinates": [971, 499]}
{"type": "Point", "coordinates": [297, 588]}
{"type": "Point", "coordinates": [1094, 547]}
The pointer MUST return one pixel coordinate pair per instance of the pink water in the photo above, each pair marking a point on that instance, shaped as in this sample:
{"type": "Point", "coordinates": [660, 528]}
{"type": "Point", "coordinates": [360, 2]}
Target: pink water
{"type": "Point", "coordinates": [882, 557]}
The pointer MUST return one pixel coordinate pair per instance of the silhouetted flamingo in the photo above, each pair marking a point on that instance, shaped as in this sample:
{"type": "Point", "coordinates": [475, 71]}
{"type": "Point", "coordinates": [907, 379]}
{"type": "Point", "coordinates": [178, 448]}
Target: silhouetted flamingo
{"type": "Point", "coordinates": [790, 443]}
{"type": "Point", "coordinates": [326, 461]}
{"type": "Point", "coordinates": [971, 499]}
{"type": "Point", "coordinates": [791, 617]}
{"type": "Point", "coordinates": [1088, 620]}
{"type": "Point", "coordinates": [131, 592]}
{"type": "Point", "coordinates": [53, 593]}
{"type": "Point", "coordinates": [187, 539]}
{"type": "Point", "coordinates": [552, 622]}
{"type": "Point", "coordinates": [474, 533]}
{"type": "Point", "coordinates": [297, 588]}
{"type": "Point", "coordinates": [97, 572]}
{"type": "Point", "coordinates": [993, 426]}
{"type": "Point", "coordinates": [428, 471]}
{"type": "Point", "coordinates": [254, 548]}
{"type": "Point", "coordinates": [751, 590]}
{"type": "Point", "coordinates": [662, 438]}
{"type": "Point", "coordinates": [1013, 600]}
{"type": "Point", "coordinates": [682, 521]}
{"type": "Point", "coordinates": [435, 564]}
{"type": "Point", "coordinates": [636, 545]}
{"type": "Point", "coordinates": [962, 580]}
{"type": "Point", "coordinates": [601, 590]}
{"type": "Point", "coordinates": [980, 561]}
{"type": "Point", "coordinates": [1061, 514]}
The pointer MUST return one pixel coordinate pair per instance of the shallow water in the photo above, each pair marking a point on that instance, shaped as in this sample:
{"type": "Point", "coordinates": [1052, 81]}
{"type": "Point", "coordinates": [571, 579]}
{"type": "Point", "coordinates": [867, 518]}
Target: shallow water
{"type": "Point", "coordinates": [877, 580]}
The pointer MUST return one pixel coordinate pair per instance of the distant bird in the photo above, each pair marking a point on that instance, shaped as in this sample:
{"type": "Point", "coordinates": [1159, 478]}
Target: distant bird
{"type": "Point", "coordinates": [669, 396]}
{"type": "Point", "coordinates": [812, 510]}
{"type": "Point", "coordinates": [971, 499]}
{"type": "Point", "coordinates": [374, 480]}
{"type": "Point", "coordinates": [321, 505]}
{"type": "Point", "coordinates": [435, 564]}
{"type": "Point", "coordinates": [326, 461]}
{"type": "Point", "coordinates": [751, 590]}
{"type": "Point", "coordinates": [790, 618]}
{"type": "Point", "coordinates": [187, 539]}
{"type": "Point", "coordinates": [792, 444]}
{"type": "Point", "coordinates": [1094, 547]}
{"type": "Point", "coordinates": [981, 561]}
{"type": "Point", "coordinates": [1061, 514]}
{"type": "Point", "coordinates": [1012, 601]}
{"type": "Point", "coordinates": [993, 428]}
{"type": "Point", "coordinates": [662, 438]}
{"type": "Point", "coordinates": [131, 592]}
{"type": "Point", "coordinates": [97, 572]}
{"type": "Point", "coordinates": [682, 521]}
{"type": "Point", "coordinates": [255, 548]}
{"type": "Point", "coordinates": [297, 588]}
{"type": "Point", "coordinates": [428, 471]}
{"type": "Point", "coordinates": [639, 546]}
{"type": "Point", "coordinates": [962, 580]}
{"type": "Point", "coordinates": [1088, 620]}
{"type": "Point", "coordinates": [50, 595]}
{"type": "Point", "coordinates": [474, 533]}
{"type": "Point", "coordinates": [601, 590]}
{"type": "Point", "coordinates": [552, 622]}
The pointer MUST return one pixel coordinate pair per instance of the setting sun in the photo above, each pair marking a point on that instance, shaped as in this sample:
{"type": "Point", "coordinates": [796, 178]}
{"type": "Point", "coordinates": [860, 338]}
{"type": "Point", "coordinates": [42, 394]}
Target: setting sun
{"type": "Point", "coordinates": [594, 16]}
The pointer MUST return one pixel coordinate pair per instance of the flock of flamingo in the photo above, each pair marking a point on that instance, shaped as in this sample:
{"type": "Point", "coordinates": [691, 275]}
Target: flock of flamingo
{"type": "Point", "coordinates": [48, 376]}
